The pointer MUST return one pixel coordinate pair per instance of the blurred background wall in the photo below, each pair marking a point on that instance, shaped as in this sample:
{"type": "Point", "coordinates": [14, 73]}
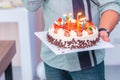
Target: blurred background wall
{"type": "Point", "coordinates": [9, 31]}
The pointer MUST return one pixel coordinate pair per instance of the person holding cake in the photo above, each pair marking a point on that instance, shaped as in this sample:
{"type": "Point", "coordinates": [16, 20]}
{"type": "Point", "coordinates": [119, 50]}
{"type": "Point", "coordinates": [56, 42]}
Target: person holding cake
{"type": "Point", "coordinates": [87, 65]}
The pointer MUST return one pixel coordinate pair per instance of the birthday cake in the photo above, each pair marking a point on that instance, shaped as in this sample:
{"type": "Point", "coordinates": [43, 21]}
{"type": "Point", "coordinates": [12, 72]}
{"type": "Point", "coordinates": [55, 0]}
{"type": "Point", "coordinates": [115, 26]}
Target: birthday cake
{"type": "Point", "coordinates": [67, 32]}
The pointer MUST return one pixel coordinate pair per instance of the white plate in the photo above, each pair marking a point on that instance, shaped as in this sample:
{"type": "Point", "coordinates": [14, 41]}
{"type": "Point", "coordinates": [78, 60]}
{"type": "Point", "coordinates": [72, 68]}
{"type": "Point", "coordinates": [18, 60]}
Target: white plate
{"type": "Point", "coordinates": [42, 36]}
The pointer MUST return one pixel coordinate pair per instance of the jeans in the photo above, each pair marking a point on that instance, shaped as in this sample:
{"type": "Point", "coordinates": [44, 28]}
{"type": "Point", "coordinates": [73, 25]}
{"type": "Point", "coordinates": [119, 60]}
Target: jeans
{"type": "Point", "coordinates": [94, 73]}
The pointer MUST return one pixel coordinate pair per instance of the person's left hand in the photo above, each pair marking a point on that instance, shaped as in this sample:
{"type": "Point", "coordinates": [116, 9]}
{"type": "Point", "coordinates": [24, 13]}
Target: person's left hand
{"type": "Point", "coordinates": [104, 35]}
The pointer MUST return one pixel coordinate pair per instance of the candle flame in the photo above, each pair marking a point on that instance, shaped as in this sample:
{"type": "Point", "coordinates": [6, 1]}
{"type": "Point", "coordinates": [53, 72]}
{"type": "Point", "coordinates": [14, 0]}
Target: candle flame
{"type": "Point", "coordinates": [79, 13]}
{"type": "Point", "coordinates": [83, 19]}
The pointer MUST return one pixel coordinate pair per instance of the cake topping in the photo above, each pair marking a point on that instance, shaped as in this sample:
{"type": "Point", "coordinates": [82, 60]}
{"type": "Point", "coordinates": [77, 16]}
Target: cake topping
{"type": "Point", "coordinates": [67, 23]}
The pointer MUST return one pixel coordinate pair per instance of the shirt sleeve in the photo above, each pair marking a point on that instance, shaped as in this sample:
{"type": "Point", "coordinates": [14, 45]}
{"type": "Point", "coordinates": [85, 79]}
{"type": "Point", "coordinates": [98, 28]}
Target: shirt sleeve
{"type": "Point", "coordinates": [33, 5]}
{"type": "Point", "coordinates": [109, 5]}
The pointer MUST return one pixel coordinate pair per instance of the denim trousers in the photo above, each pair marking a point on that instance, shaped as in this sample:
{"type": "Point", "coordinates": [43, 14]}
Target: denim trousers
{"type": "Point", "coordinates": [94, 73]}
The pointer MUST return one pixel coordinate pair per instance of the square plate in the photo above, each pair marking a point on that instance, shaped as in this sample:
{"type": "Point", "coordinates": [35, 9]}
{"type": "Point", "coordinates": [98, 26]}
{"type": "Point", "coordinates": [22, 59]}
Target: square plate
{"type": "Point", "coordinates": [43, 37]}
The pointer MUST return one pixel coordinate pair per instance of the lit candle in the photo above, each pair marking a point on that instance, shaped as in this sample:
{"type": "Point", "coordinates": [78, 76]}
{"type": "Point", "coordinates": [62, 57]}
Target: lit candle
{"type": "Point", "coordinates": [83, 20]}
{"type": "Point", "coordinates": [63, 19]}
{"type": "Point", "coordinates": [78, 20]}
{"type": "Point", "coordinates": [84, 23]}
{"type": "Point", "coordinates": [68, 20]}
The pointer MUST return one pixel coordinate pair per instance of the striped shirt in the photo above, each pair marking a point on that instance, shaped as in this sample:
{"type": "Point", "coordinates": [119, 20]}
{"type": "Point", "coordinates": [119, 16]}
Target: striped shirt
{"type": "Point", "coordinates": [54, 9]}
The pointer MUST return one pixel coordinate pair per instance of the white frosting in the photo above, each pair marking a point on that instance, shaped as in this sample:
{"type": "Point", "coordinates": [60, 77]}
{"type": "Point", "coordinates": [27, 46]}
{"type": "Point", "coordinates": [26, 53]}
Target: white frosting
{"type": "Point", "coordinates": [60, 35]}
